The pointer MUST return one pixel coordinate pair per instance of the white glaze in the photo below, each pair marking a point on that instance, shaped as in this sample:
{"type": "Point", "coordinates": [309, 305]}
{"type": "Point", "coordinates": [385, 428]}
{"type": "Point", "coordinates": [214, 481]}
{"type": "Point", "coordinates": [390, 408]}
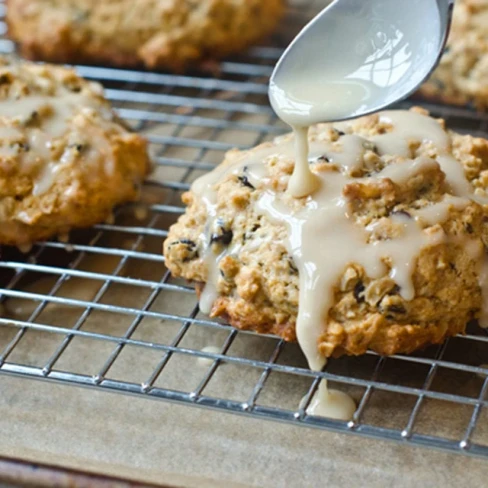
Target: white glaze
{"type": "Point", "coordinates": [302, 182]}
{"type": "Point", "coordinates": [209, 293]}
{"type": "Point", "coordinates": [44, 179]}
{"type": "Point", "coordinates": [25, 248]}
{"type": "Point", "coordinates": [438, 212]}
{"type": "Point", "coordinates": [206, 362]}
{"type": "Point", "coordinates": [141, 212]}
{"type": "Point", "coordinates": [331, 403]}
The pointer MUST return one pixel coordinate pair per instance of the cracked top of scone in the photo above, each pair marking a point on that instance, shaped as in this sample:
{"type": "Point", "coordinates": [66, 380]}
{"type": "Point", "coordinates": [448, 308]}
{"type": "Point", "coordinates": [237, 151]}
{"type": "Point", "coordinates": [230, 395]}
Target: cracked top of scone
{"type": "Point", "coordinates": [65, 158]}
{"type": "Point", "coordinates": [461, 75]}
{"type": "Point", "coordinates": [170, 34]}
{"type": "Point", "coordinates": [422, 207]}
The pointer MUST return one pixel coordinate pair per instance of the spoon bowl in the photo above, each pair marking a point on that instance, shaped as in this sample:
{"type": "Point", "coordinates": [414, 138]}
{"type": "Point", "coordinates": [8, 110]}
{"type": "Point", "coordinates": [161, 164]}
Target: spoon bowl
{"type": "Point", "coordinates": [357, 57]}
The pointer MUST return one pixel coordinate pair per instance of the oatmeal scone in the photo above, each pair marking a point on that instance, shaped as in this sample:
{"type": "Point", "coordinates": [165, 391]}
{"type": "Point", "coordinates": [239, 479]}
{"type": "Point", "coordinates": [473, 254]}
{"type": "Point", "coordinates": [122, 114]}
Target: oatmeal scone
{"type": "Point", "coordinates": [231, 242]}
{"type": "Point", "coordinates": [462, 74]}
{"type": "Point", "coordinates": [65, 158]}
{"type": "Point", "coordinates": [167, 34]}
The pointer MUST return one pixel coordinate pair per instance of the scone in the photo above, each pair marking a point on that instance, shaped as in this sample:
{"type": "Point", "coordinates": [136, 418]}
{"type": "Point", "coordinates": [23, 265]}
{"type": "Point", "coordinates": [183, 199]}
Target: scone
{"type": "Point", "coordinates": [167, 34]}
{"type": "Point", "coordinates": [462, 74]}
{"type": "Point", "coordinates": [65, 159]}
{"type": "Point", "coordinates": [389, 254]}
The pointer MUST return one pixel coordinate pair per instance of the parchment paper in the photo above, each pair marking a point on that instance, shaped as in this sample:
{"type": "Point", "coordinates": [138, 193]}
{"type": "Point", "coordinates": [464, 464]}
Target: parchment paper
{"type": "Point", "coordinates": [156, 441]}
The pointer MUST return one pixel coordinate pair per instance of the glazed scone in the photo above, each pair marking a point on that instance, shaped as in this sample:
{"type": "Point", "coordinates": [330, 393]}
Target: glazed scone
{"type": "Point", "coordinates": [462, 74]}
{"type": "Point", "coordinates": [65, 159]}
{"type": "Point", "coordinates": [420, 197]}
{"type": "Point", "coordinates": [167, 34]}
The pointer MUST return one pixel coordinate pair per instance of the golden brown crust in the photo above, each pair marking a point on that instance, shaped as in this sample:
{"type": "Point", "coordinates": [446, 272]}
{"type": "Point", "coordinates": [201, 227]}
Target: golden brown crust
{"type": "Point", "coordinates": [375, 332]}
{"type": "Point", "coordinates": [252, 318]}
{"type": "Point", "coordinates": [65, 160]}
{"type": "Point", "coordinates": [167, 34]}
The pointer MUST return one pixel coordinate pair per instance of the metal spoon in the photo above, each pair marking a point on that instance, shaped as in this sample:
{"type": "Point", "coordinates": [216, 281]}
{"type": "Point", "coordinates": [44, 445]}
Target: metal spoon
{"type": "Point", "coordinates": [359, 56]}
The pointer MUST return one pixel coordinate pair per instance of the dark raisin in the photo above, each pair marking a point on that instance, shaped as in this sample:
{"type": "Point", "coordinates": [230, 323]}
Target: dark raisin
{"type": "Point", "coordinates": [452, 266]}
{"type": "Point", "coordinates": [394, 291]}
{"type": "Point", "coordinates": [5, 78]}
{"type": "Point", "coordinates": [225, 237]}
{"type": "Point", "coordinates": [249, 234]}
{"type": "Point", "coordinates": [79, 147]}
{"type": "Point", "coordinates": [358, 292]}
{"type": "Point", "coordinates": [188, 242]}
{"type": "Point", "coordinates": [469, 228]}
{"type": "Point", "coordinates": [401, 212]}
{"type": "Point", "coordinates": [73, 86]}
{"type": "Point", "coordinates": [339, 132]}
{"type": "Point", "coordinates": [292, 266]}
{"type": "Point", "coordinates": [23, 146]}
{"type": "Point", "coordinates": [369, 146]}
{"type": "Point", "coordinates": [323, 159]}
{"type": "Point", "coordinates": [396, 309]}
{"type": "Point", "coordinates": [191, 248]}
{"type": "Point", "coordinates": [438, 83]}
{"type": "Point", "coordinates": [245, 181]}
{"type": "Point", "coordinates": [32, 119]}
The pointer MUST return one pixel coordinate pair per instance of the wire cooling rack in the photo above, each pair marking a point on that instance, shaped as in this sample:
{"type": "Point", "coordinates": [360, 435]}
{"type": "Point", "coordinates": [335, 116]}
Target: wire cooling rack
{"type": "Point", "coordinates": [102, 311]}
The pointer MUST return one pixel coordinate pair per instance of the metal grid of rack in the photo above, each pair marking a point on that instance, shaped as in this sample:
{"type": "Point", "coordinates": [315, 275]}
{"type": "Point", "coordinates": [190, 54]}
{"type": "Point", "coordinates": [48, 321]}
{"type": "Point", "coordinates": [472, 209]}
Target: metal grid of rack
{"type": "Point", "coordinates": [102, 311]}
